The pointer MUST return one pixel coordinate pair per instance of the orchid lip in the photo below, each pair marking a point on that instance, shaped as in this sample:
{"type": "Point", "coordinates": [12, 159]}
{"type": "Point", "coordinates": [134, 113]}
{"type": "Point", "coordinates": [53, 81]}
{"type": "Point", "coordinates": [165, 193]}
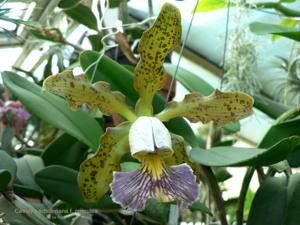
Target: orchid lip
{"type": "Point", "coordinates": [154, 180]}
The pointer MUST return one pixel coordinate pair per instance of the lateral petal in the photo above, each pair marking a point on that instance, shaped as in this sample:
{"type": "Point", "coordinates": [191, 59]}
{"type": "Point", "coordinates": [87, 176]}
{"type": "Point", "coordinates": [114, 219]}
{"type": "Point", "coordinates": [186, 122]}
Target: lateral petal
{"type": "Point", "coordinates": [219, 107]}
{"type": "Point", "coordinates": [95, 173]}
{"type": "Point", "coordinates": [78, 90]}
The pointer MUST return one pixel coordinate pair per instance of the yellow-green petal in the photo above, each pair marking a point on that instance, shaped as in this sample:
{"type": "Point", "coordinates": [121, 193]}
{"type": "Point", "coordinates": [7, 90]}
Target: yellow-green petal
{"type": "Point", "coordinates": [180, 154]}
{"type": "Point", "coordinates": [219, 107]}
{"type": "Point", "coordinates": [156, 43]}
{"type": "Point", "coordinates": [78, 90]}
{"type": "Point", "coordinates": [95, 173]}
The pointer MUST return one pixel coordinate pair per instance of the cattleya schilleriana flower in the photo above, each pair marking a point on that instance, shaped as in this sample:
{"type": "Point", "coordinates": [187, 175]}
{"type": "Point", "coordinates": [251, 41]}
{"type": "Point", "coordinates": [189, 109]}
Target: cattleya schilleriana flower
{"type": "Point", "coordinates": [165, 172]}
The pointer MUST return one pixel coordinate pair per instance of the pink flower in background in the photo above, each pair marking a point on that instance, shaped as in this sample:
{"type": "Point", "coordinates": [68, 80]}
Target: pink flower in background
{"type": "Point", "coordinates": [13, 113]}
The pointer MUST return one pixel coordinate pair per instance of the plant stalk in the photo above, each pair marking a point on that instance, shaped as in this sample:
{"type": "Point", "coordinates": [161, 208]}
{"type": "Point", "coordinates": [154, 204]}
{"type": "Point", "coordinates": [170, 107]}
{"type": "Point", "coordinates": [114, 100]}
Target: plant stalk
{"type": "Point", "coordinates": [243, 193]}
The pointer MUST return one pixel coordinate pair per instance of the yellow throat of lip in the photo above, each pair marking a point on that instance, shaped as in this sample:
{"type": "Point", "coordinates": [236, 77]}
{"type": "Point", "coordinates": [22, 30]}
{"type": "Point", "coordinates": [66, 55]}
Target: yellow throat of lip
{"type": "Point", "coordinates": [153, 164]}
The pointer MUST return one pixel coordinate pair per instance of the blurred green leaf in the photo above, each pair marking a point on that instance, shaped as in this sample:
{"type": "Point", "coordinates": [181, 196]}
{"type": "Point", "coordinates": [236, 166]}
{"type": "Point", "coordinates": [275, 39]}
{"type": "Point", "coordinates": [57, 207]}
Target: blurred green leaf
{"type": "Point", "coordinates": [48, 67]}
{"type": "Point", "coordinates": [6, 140]}
{"type": "Point", "coordinates": [95, 40]}
{"type": "Point", "coordinates": [265, 28]}
{"type": "Point", "coordinates": [198, 206]}
{"type": "Point", "coordinates": [233, 127]}
{"type": "Point", "coordinates": [64, 4]}
{"type": "Point", "coordinates": [221, 174]}
{"type": "Point", "coordinates": [270, 202]}
{"type": "Point", "coordinates": [279, 196]}
{"type": "Point", "coordinates": [23, 190]}
{"type": "Point", "coordinates": [287, 1]}
{"type": "Point", "coordinates": [189, 80]}
{"type": "Point", "coordinates": [66, 151]}
{"type": "Point", "coordinates": [54, 110]}
{"type": "Point", "coordinates": [280, 131]}
{"type": "Point", "coordinates": [287, 22]}
{"type": "Point", "coordinates": [157, 211]}
{"type": "Point", "coordinates": [61, 182]}
{"type": "Point", "coordinates": [83, 15]}
{"type": "Point", "coordinates": [7, 163]}
{"type": "Point", "coordinates": [293, 201]}
{"type": "Point", "coordinates": [5, 178]}
{"type": "Point", "coordinates": [210, 5]}
{"type": "Point", "coordinates": [34, 151]}
{"type": "Point", "coordinates": [233, 156]}
{"type": "Point", "coordinates": [115, 3]}
{"type": "Point", "coordinates": [27, 166]}
{"type": "Point", "coordinates": [121, 80]}
{"type": "Point", "coordinates": [269, 107]}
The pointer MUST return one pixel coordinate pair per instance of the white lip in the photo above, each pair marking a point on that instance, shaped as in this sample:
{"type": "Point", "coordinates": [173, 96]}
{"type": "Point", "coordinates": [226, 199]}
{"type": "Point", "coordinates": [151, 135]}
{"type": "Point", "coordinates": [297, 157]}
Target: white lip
{"type": "Point", "coordinates": [149, 135]}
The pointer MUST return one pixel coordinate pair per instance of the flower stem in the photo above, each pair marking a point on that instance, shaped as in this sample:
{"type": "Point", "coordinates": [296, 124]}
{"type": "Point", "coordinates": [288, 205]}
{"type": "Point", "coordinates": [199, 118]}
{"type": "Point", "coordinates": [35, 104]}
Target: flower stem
{"type": "Point", "coordinates": [208, 174]}
{"type": "Point", "coordinates": [243, 193]}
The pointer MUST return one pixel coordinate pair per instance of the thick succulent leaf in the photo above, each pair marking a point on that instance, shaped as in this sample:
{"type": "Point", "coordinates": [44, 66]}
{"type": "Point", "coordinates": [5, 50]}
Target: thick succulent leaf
{"type": "Point", "coordinates": [95, 173]}
{"type": "Point", "coordinates": [78, 90]}
{"type": "Point", "coordinates": [265, 28]}
{"type": "Point", "coordinates": [156, 43]}
{"type": "Point", "coordinates": [180, 154]}
{"type": "Point", "coordinates": [234, 156]}
{"type": "Point", "coordinates": [53, 109]}
{"type": "Point", "coordinates": [219, 107]}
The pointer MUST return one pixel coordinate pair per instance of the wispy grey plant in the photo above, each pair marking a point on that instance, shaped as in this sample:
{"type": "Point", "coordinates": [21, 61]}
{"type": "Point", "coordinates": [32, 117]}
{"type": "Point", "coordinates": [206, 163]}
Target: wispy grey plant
{"type": "Point", "coordinates": [241, 57]}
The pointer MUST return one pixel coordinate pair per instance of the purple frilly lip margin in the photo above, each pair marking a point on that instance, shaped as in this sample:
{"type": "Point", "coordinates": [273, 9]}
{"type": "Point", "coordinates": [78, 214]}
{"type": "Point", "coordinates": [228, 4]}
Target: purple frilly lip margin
{"type": "Point", "coordinates": [132, 189]}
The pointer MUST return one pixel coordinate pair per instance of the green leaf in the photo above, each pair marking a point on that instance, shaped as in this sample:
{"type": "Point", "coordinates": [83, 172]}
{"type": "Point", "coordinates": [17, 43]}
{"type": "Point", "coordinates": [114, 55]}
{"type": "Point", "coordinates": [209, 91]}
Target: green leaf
{"type": "Point", "coordinates": [279, 196]}
{"type": "Point", "coordinates": [157, 211]}
{"type": "Point", "coordinates": [27, 166]}
{"type": "Point", "coordinates": [221, 174]}
{"type": "Point", "coordinates": [115, 3]}
{"type": "Point", "coordinates": [95, 40]}
{"type": "Point", "coordinates": [189, 80]}
{"type": "Point", "coordinates": [6, 140]}
{"type": "Point", "coordinates": [7, 163]}
{"type": "Point", "coordinates": [233, 127]}
{"type": "Point", "coordinates": [265, 28]}
{"type": "Point", "coordinates": [121, 80]}
{"type": "Point", "coordinates": [66, 151]}
{"type": "Point", "coordinates": [210, 5]}
{"type": "Point", "coordinates": [23, 190]}
{"type": "Point", "coordinates": [270, 202]}
{"type": "Point", "coordinates": [61, 182]}
{"type": "Point", "coordinates": [54, 110]}
{"type": "Point", "coordinates": [287, 1]}
{"type": "Point", "coordinates": [64, 4]}
{"type": "Point", "coordinates": [287, 22]}
{"type": "Point", "coordinates": [293, 209]}
{"type": "Point", "coordinates": [83, 15]}
{"type": "Point", "coordinates": [269, 107]}
{"type": "Point", "coordinates": [198, 206]}
{"type": "Point", "coordinates": [280, 131]}
{"type": "Point", "coordinates": [5, 178]}
{"type": "Point", "coordinates": [233, 156]}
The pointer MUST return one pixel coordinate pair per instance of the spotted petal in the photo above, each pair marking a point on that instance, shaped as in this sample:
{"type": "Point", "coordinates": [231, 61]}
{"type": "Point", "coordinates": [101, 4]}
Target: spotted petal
{"type": "Point", "coordinates": [95, 173]}
{"type": "Point", "coordinates": [156, 43]}
{"type": "Point", "coordinates": [220, 107]}
{"type": "Point", "coordinates": [78, 90]}
{"type": "Point", "coordinates": [133, 189]}
{"type": "Point", "coordinates": [180, 154]}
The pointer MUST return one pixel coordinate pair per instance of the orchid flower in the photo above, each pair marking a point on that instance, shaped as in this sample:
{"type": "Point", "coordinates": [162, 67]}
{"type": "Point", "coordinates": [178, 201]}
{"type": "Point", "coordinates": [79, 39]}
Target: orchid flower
{"type": "Point", "coordinates": [14, 114]}
{"type": "Point", "coordinates": [165, 173]}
